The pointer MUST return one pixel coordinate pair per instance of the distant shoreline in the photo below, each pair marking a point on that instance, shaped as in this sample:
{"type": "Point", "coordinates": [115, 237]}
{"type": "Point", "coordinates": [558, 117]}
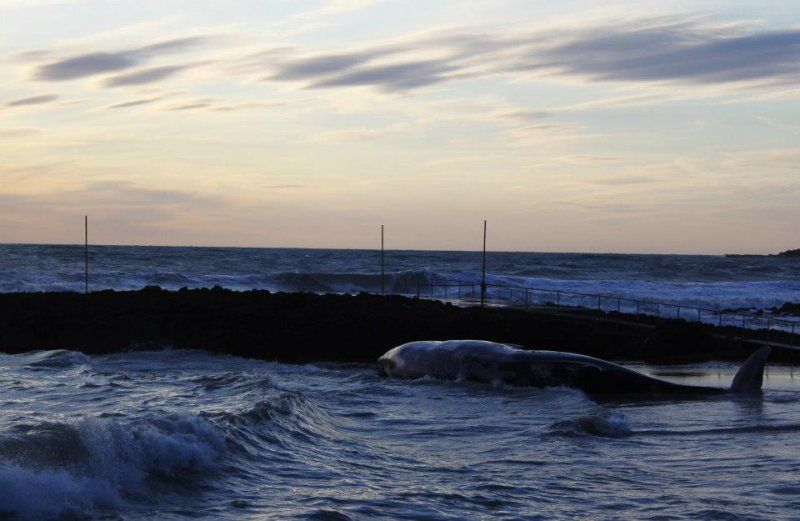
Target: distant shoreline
{"type": "Point", "coordinates": [788, 254]}
{"type": "Point", "coordinates": [307, 327]}
{"type": "Point", "coordinates": [377, 248]}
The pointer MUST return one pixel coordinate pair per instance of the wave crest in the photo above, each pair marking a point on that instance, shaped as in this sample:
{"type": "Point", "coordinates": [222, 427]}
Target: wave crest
{"type": "Point", "coordinates": [70, 468]}
{"type": "Point", "coordinates": [607, 424]}
{"type": "Point", "coordinates": [55, 359]}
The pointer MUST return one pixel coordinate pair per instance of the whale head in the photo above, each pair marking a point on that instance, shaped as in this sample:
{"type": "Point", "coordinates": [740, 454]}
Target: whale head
{"type": "Point", "coordinates": [385, 366]}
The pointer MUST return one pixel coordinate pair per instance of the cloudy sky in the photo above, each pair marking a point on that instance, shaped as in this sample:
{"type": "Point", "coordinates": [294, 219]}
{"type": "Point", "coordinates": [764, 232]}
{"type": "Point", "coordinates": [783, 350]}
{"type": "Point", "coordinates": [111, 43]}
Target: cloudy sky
{"type": "Point", "coordinates": [571, 125]}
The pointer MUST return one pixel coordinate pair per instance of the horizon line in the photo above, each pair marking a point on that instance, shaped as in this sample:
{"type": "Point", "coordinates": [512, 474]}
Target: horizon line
{"type": "Point", "coordinates": [105, 245]}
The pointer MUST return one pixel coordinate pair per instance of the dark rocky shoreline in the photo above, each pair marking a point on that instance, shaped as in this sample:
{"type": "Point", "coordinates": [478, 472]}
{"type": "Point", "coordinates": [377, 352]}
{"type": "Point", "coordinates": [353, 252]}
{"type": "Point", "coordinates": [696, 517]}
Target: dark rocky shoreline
{"type": "Point", "coordinates": [787, 254]}
{"type": "Point", "coordinates": [306, 327]}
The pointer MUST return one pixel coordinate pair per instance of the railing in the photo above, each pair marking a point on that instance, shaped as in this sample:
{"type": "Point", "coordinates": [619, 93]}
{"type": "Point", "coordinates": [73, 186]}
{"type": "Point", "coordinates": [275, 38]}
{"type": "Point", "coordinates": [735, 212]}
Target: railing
{"type": "Point", "coordinates": [499, 295]}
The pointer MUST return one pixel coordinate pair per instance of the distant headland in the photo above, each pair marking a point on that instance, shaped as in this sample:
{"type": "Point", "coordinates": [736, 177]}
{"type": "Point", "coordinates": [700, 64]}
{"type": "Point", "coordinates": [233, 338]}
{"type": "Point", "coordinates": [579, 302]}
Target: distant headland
{"type": "Point", "coordinates": [792, 254]}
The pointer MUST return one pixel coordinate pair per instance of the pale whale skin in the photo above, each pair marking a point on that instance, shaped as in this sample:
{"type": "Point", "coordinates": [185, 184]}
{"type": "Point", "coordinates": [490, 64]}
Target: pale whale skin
{"type": "Point", "coordinates": [490, 362]}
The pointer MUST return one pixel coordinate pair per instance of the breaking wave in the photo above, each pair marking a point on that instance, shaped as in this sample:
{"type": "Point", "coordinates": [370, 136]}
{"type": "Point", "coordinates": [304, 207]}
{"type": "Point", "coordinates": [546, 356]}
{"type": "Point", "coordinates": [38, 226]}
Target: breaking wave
{"type": "Point", "coordinates": [76, 469]}
{"type": "Point", "coordinates": [604, 423]}
{"type": "Point", "coordinates": [54, 359]}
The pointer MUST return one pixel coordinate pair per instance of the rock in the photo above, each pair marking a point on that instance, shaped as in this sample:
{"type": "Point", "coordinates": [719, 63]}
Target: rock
{"type": "Point", "coordinates": [308, 327]}
{"type": "Point", "coordinates": [790, 253]}
{"type": "Point", "coordinates": [680, 340]}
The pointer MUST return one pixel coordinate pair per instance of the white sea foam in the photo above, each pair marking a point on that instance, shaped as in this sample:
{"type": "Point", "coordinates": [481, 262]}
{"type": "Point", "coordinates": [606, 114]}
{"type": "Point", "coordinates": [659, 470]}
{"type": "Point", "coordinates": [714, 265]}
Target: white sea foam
{"type": "Point", "coordinates": [50, 493]}
{"type": "Point", "coordinates": [81, 467]}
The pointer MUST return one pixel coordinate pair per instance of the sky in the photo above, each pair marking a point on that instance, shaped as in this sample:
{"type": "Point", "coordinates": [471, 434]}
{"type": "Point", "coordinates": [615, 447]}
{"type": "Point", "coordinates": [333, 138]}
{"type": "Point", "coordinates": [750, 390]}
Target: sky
{"type": "Point", "coordinates": [620, 126]}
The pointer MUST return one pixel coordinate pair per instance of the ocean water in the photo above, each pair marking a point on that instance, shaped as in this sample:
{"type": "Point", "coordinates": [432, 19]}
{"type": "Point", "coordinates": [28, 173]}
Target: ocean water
{"type": "Point", "coordinates": [712, 282]}
{"type": "Point", "coordinates": [191, 435]}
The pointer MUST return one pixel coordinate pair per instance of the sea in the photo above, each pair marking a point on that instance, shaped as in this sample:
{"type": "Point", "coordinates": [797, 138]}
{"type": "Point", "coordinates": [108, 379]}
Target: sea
{"type": "Point", "coordinates": [706, 281]}
{"type": "Point", "coordinates": [177, 435]}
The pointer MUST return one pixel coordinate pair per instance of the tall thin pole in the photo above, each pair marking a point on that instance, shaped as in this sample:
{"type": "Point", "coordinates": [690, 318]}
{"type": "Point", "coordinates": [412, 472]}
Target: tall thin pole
{"type": "Point", "coordinates": [86, 253]}
{"type": "Point", "coordinates": [483, 278]}
{"type": "Point", "coordinates": [382, 264]}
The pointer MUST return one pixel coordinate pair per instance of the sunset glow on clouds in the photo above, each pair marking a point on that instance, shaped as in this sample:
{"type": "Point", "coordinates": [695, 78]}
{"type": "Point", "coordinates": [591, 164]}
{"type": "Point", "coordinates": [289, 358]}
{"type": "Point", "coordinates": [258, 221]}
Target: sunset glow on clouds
{"type": "Point", "coordinates": [636, 127]}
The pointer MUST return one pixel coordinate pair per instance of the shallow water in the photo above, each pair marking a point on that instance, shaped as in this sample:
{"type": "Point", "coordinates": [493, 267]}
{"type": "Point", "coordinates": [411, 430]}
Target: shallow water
{"type": "Point", "coordinates": [186, 434]}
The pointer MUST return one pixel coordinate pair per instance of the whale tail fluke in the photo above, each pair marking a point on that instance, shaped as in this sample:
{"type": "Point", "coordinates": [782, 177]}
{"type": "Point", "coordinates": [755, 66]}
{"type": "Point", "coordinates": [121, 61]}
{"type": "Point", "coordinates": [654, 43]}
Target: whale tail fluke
{"type": "Point", "coordinates": [751, 375]}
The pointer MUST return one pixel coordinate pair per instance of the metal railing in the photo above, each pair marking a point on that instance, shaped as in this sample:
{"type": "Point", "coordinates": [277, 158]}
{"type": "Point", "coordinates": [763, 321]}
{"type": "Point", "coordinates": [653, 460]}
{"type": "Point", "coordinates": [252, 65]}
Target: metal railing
{"type": "Point", "coordinates": [499, 295]}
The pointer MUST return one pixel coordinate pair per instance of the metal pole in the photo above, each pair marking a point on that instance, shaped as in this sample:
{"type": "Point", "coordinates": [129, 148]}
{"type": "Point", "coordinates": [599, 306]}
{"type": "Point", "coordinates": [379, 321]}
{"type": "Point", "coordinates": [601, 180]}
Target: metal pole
{"type": "Point", "coordinates": [769, 336]}
{"type": "Point", "coordinates": [382, 272]}
{"type": "Point", "coordinates": [86, 254]}
{"type": "Point", "coordinates": [483, 278]}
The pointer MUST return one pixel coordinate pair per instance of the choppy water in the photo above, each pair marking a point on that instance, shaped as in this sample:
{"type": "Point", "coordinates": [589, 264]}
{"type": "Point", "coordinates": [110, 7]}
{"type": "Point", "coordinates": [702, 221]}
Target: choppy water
{"type": "Point", "coordinates": [185, 434]}
{"type": "Point", "coordinates": [712, 282]}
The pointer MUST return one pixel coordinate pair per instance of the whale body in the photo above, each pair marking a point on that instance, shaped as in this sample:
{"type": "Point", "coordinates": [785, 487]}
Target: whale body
{"type": "Point", "coordinates": [491, 362]}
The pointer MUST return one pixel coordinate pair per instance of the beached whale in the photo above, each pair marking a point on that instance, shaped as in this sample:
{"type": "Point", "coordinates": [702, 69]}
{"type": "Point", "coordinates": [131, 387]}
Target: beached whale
{"type": "Point", "coordinates": [490, 362]}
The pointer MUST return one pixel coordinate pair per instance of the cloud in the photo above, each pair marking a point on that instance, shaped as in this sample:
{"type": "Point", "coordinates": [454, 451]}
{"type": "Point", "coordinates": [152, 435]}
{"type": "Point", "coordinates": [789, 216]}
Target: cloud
{"type": "Point", "coordinates": [398, 77]}
{"type": "Point", "coordinates": [194, 105]}
{"type": "Point", "coordinates": [389, 66]}
{"type": "Point", "coordinates": [682, 51]}
{"type": "Point", "coordinates": [337, 7]}
{"type": "Point", "coordinates": [525, 116]}
{"type": "Point", "coordinates": [305, 68]}
{"type": "Point", "coordinates": [621, 181]}
{"type": "Point", "coordinates": [119, 205]}
{"type": "Point", "coordinates": [123, 193]}
{"type": "Point", "coordinates": [583, 159]}
{"type": "Point", "coordinates": [85, 65]}
{"type": "Point", "coordinates": [217, 105]}
{"type": "Point", "coordinates": [246, 105]}
{"type": "Point", "coordinates": [32, 100]}
{"type": "Point", "coordinates": [95, 63]}
{"type": "Point", "coordinates": [18, 132]}
{"type": "Point", "coordinates": [361, 134]}
{"type": "Point", "coordinates": [616, 102]}
{"type": "Point", "coordinates": [779, 159]}
{"type": "Point", "coordinates": [644, 50]}
{"type": "Point", "coordinates": [145, 76]}
{"type": "Point", "coordinates": [325, 15]}
{"type": "Point", "coordinates": [134, 103]}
